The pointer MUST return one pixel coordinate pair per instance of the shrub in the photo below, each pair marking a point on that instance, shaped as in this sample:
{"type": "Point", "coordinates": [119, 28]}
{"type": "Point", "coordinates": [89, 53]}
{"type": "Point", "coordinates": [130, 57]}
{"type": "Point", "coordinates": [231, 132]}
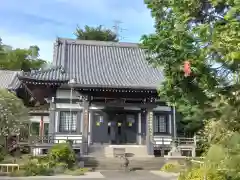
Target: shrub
{"type": "Point", "coordinates": [2, 153]}
{"type": "Point", "coordinates": [19, 173]}
{"type": "Point", "coordinates": [62, 153]}
{"type": "Point", "coordinates": [59, 168]}
{"type": "Point", "coordinates": [171, 167]}
{"type": "Point", "coordinates": [198, 174]}
{"type": "Point", "coordinates": [77, 172]}
{"type": "Point", "coordinates": [34, 168]}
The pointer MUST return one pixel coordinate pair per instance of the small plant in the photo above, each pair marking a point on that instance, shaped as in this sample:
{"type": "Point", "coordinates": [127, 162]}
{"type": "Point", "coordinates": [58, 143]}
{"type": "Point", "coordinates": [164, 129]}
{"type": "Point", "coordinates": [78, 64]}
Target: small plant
{"type": "Point", "coordinates": [62, 153]}
{"type": "Point", "coordinates": [171, 167]}
{"type": "Point", "coordinates": [201, 173]}
{"type": "Point", "coordinates": [34, 168]}
{"type": "Point", "coordinates": [19, 173]}
{"type": "Point", "coordinates": [77, 172]}
{"type": "Point", "coordinates": [59, 168]}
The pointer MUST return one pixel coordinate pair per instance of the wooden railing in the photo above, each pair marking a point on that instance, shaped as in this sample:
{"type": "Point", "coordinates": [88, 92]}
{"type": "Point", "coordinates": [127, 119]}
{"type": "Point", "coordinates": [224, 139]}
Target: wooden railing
{"type": "Point", "coordinates": [178, 141]}
{"type": "Point", "coordinates": [52, 139]}
{"type": "Point", "coordinates": [7, 168]}
{"type": "Point", "coordinates": [185, 141]}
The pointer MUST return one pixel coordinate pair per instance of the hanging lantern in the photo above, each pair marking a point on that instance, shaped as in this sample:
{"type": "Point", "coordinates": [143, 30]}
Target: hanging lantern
{"type": "Point", "coordinates": [187, 68]}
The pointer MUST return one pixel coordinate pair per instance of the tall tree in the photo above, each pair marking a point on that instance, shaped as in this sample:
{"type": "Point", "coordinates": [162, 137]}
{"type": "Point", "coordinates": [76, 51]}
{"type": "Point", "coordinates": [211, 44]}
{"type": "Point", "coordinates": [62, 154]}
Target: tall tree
{"type": "Point", "coordinates": [13, 114]}
{"type": "Point", "coordinates": [20, 59]}
{"type": "Point", "coordinates": [203, 32]}
{"type": "Point", "coordinates": [96, 33]}
{"type": "Point", "coordinates": [2, 53]}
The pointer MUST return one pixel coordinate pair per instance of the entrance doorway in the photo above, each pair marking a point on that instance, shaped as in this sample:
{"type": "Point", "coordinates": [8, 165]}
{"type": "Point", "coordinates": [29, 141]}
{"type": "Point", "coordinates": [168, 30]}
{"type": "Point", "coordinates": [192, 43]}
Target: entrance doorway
{"type": "Point", "coordinates": [115, 128]}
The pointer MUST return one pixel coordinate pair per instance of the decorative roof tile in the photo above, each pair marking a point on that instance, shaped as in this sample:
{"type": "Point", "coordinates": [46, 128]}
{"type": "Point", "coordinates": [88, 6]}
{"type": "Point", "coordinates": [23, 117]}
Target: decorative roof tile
{"type": "Point", "coordinates": [9, 80]}
{"type": "Point", "coordinates": [106, 64]}
{"type": "Point", "coordinates": [100, 64]}
{"type": "Point", "coordinates": [51, 74]}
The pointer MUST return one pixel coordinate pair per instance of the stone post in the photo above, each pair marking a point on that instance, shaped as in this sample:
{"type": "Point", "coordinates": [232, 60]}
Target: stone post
{"type": "Point", "coordinates": [149, 132]}
{"type": "Point", "coordinates": [86, 103]}
{"type": "Point", "coordinates": [52, 118]}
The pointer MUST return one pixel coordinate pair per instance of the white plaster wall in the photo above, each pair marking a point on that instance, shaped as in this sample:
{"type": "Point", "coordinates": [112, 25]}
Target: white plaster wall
{"type": "Point", "coordinates": [162, 108]}
{"type": "Point", "coordinates": [56, 121]}
{"type": "Point", "coordinates": [170, 123]}
{"type": "Point", "coordinates": [38, 119]}
{"type": "Point", "coordinates": [65, 94]}
{"type": "Point", "coordinates": [75, 106]}
{"type": "Point", "coordinates": [167, 140]}
{"type": "Point", "coordinates": [62, 138]}
{"type": "Point", "coordinates": [37, 151]}
{"type": "Point", "coordinates": [68, 106]}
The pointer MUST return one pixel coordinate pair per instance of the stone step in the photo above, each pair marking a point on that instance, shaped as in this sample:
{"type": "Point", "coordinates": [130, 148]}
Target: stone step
{"type": "Point", "coordinates": [107, 150]}
{"type": "Point", "coordinates": [115, 163]}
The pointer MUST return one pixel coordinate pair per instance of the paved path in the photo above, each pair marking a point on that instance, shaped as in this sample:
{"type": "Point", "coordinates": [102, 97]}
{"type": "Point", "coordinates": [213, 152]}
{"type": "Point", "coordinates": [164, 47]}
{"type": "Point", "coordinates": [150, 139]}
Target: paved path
{"type": "Point", "coordinates": [108, 175]}
{"type": "Point", "coordinates": [137, 175]}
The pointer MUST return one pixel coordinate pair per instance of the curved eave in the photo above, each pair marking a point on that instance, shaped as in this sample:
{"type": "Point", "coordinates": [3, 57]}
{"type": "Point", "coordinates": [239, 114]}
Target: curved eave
{"type": "Point", "coordinates": [30, 80]}
{"type": "Point", "coordinates": [112, 88]}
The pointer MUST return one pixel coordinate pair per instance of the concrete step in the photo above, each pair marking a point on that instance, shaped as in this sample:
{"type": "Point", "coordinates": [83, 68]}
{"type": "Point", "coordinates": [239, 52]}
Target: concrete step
{"type": "Point", "coordinates": [107, 150]}
{"type": "Point", "coordinates": [115, 163]}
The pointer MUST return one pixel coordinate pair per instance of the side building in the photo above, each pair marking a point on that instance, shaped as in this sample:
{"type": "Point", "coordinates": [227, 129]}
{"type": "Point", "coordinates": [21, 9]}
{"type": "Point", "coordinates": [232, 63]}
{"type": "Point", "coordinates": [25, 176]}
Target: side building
{"type": "Point", "coordinates": [38, 114]}
{"type": "Point", "coordinates": [102, 95]}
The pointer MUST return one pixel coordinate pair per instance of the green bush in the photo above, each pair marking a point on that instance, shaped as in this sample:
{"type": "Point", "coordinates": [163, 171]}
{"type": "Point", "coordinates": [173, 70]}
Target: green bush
{"type": "Point", "coordinates": [19, 173]}
{"type": "Point", "coordinates": [77, 172]}
{"type": "Point", "coordinates": [199, 173]}
{"type": "Point", "coordinates": [59, 168]}
{"type": "Point", "coordinates": [34, 168]}
{"type": "Point", "coordinates": [62, 153]}
{"type": "Point", "coordinates": [2, 153]}
{"type": "Point", "coordinates": [171, 167]}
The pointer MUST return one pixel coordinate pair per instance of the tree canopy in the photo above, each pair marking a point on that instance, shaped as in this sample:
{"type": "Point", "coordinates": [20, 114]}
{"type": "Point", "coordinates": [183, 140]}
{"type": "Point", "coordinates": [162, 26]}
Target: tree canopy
{"type": "Point", "coordinates": [20, 59]}
{"type": "Point", "coordinates": [203, 32]}
{"type": "Point", "coordinates": [95, 33]}
{"type": "Point", "coordinates": [13, 113]}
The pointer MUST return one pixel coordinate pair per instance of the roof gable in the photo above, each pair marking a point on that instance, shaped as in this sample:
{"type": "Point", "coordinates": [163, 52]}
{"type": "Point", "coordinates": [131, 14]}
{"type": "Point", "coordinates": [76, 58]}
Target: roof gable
{"type": "Point", "coordinates": [51, 74]}
{"type": "Point", "coordinates": [9, 80]}
{"type": "Point", "coordinates": [106, 64]}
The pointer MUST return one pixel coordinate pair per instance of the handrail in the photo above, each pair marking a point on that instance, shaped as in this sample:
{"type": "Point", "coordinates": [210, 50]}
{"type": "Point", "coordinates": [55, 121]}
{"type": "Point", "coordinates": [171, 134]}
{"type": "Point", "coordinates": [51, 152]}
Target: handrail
{"type": "Point", "coordinates": [7, 167]}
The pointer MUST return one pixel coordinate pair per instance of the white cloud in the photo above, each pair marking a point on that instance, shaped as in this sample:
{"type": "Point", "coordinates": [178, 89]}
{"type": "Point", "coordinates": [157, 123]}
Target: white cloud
{"type": "Point", "coordinates": [25, 40]}
{"type": "Point", "coordinates": [135, 17]}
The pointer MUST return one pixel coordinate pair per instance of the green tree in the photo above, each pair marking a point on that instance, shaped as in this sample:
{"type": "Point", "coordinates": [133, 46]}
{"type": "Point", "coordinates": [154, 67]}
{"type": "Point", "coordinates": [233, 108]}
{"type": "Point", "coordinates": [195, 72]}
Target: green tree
{"type": "Point", "coordinates": [206, 33]}
{"type": "Point", "coordinates": [2, 53]}
{"type": "Point", "coordinates": [13, 114]}
{"type": "Point", "coordinates": [95, 33]}
{"type": "Point", "coordinates": [20, 59]}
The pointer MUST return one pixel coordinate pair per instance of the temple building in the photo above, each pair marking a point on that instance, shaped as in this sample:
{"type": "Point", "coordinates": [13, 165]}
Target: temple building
{"type": "Point", "coordinates": [100, 95]}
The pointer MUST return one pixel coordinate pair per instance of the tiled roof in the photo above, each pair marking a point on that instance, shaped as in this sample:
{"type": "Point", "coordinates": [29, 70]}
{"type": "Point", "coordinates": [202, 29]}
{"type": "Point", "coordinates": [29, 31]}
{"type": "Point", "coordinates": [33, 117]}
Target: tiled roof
{"type": "Point", "coordinates": [104, 64]}
{"type": "Point", "coordinates": [51, 74]}
{"type": "Point", "coordinates": [9, 80]}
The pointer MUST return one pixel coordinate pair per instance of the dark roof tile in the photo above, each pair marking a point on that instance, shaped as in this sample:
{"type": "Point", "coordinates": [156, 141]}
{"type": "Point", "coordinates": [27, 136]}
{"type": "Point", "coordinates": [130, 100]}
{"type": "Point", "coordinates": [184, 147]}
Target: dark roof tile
{"type": "Point", "coordinates": [9, 80]}
{"type": "Point", "coordinates": [106, 64]}
{"type": "Point", "coordinates": [101, 64]}
{"type": "Point", "coordinates": [52, 74]}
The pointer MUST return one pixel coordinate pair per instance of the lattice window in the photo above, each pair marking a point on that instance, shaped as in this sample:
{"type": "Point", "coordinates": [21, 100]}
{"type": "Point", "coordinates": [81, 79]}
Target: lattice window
{"type": "Point", "coordinates": [160, 124]}
{"type": "Point", "coordinates": [68, 121]}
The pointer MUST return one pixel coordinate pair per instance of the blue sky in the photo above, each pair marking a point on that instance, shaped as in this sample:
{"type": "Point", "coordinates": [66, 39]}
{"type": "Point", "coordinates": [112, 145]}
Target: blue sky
{"type": "Point", "coordinates": [39, 22]}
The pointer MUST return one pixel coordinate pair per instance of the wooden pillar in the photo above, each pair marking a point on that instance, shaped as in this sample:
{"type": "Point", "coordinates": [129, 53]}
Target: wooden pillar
{"type": "Point", "coordinates": [90, 128]}
{"type": "Point", "coordinates": [139, 128]}
{"type": "Point", "coordinates": [84, 149]}
{"type": "Point", "coordinates": [41, 127]}
{"type": "Point", "coordinates": [52, 117]}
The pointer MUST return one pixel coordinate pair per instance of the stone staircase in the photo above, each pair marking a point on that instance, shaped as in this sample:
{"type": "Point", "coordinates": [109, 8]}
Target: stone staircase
{"type": "Point", "coordinates": [107, 150]}
{"type": "Point", "coordinates": [110, 163]}
{"type": "Point", "coordinates": [101, 157]}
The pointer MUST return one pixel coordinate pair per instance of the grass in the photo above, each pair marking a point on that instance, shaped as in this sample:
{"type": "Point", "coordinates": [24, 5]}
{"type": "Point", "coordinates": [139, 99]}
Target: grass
{"type": "Point", "coordinates": [24, 159]}
{"type": "Point", "coordinates": [16, 160]}
{"type": "Point", "coordinates": [173, 167]}
{"type": "Point", "coordinates": [76, 172]}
